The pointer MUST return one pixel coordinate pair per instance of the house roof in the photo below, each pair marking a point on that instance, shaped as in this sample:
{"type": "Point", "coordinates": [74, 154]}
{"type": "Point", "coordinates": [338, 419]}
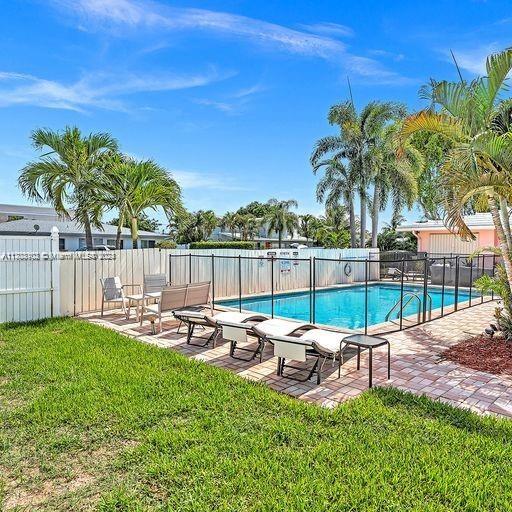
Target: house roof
{"type": "Point", "coordinates": [28, 210]}
{"type": "Point", "coordinates": [476, 221]}
{"type": "Point", "coordinates": [26, 227]}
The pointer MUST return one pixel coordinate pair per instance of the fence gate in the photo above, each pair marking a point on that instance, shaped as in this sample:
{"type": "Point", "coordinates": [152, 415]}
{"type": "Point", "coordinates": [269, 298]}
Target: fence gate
{"type": "Point", "coordinates": [29, 278]}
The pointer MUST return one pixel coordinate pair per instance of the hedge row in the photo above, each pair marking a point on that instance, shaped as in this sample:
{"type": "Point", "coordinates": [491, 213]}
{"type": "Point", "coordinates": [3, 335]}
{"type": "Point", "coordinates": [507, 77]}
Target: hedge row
{"type": "Point", "coordinates": [222, 245]}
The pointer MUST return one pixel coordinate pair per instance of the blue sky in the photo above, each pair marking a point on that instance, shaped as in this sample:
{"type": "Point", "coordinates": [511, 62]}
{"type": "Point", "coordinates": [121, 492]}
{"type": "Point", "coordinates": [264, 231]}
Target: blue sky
{"type": "Point", "coordinates": [228, 95]}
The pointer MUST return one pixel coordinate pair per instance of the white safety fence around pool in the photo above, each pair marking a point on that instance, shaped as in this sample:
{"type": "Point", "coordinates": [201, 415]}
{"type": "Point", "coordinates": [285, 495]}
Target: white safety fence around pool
{"type": "Point", "coordinates": [38, 281]}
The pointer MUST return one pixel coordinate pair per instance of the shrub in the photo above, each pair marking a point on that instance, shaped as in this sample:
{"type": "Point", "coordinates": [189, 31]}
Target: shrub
{"type": "Point", "coordinates": [222, 245]}
{"type": "Point", "coordinates": [166, 244]}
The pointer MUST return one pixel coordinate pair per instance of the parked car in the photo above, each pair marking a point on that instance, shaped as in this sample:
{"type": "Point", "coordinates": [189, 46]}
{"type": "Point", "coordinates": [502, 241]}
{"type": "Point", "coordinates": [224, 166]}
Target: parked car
{"type": "Point", "coordinates": [98, 248]}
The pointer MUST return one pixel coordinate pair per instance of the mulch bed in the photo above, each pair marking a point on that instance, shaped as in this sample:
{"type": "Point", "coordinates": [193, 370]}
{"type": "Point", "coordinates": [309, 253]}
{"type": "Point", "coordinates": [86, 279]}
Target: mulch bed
{"type": "Point", "coordinates": [492, 355]}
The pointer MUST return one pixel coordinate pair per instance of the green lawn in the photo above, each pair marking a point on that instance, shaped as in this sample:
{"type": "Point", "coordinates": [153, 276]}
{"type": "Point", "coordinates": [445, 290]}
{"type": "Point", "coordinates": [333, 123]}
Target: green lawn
{"type": "Point", "coordinates": [91, 420]}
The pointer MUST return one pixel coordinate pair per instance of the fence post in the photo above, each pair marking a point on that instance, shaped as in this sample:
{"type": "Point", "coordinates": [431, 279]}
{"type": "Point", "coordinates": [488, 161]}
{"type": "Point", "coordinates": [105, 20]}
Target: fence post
{"type": "Point", "coordinates": [190, 268]}
{"type": "Point", "coordinates": [493, 272]}
{"type": "Point", "coordinates": [402, 293]}
{"type": "Point", "coordinates": [471, 281]}
{"type": "Point", "coordinates": [483, 272]}
{"type": "Point", "coordinates": [425, 289]}
{"type": "Point", "coordinates": [55, 273]}
{"type": "Point", "coordinates": [170, 269]}
{"type": "Point", "coordinates": [272, 284]}
{"type": "Point", "coordinates": [442, 288]}
{"type": "Point", "coordinates": [366, 296]}
{"type": "Point", "coordinates": [310, 291]}
{"type": "Point", "coordinates": [239, 282]}
{"type": "Point", "coordinates": [456, 283]}
{"type": "Point", "coordinates": [213, 280]}
{"type": "Point", "coordinates": [314, 289]}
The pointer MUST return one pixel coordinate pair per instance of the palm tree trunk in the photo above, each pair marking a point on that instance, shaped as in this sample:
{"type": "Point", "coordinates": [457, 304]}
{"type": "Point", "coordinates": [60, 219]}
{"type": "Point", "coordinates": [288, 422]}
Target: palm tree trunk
{"type": "Point", "coordinates": [502, 238]}
{"type": "Point", "coordinates": [506, 222]}
{"type": "Point", "coordinates": [120, 223]}
{"type": "Point", "coordinates": [362, 220]}
{"type": "Point", "coordinates": [352, 222]}
{"type": "Point", "coordinates": [280, 238]}
{"type": "Point", "coordinates": [135, 232]}
{"type": "Point", "coordinates": [88, 233]}
{"type": "Point", "coordinates": [375, 214]}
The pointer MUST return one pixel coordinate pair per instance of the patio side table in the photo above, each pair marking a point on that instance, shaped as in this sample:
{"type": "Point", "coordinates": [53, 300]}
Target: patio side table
{"type": "Point", "coordinates": [364, 341]}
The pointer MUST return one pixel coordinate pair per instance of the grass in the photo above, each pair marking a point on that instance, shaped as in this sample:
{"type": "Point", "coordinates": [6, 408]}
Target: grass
{"type": "Point", "coordinates": [91, 420]}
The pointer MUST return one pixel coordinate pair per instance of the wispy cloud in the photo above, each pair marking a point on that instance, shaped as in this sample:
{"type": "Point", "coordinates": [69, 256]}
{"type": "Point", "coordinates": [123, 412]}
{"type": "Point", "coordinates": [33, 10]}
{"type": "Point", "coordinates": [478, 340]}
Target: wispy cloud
{"type": "Point", "coordinates": [201, 180]}
{"type": "Point", "coordinates": [397, 57]}
{"type": "Point", "coordinates": [235, 102]}
{"type": "Point", "coordinates": [95, 90]}
{"type": "Point", "coordinates": [316, 40]}
{"type": "Point", "coordinates": [330, 29]}
{"type": "Point", "coordinates": [473, 59]}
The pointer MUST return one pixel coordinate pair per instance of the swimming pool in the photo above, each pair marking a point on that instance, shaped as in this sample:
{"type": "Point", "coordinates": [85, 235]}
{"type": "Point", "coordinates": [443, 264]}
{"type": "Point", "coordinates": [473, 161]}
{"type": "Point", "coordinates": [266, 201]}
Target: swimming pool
{"type": "Point", "coordinates": [345, 307]}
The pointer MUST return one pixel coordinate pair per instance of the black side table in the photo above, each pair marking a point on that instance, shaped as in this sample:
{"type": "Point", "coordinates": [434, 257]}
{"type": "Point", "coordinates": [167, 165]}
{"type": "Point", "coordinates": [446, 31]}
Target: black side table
{"type": "Point", "coordinates": [370, 342]}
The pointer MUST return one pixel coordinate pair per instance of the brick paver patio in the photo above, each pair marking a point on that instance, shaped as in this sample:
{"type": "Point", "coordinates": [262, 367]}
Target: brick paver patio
{"type": "Point", "coordinates": [416, 363]}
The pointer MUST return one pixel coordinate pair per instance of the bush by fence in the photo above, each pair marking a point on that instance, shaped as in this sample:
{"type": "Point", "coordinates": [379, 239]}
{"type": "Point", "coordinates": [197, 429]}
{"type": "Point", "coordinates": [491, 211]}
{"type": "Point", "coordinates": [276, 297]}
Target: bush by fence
{"type": "Point", "coordinates": [222, 245]}
{"type": "Point", "coordinates": [166, 244]}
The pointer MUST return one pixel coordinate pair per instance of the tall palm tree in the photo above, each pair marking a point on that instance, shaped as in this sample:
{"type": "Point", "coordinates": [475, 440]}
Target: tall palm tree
{"type": "Point", "coordinates": [135, 186]}
{"type": "Point", "coordinates": [280, 218]}
{"type": "Point", "coordinates": [67, 174]}
{"type": "Point", "coordinates": [207, 221]}
{"type": "Point", "coordinates": [478, 164]}
{"type": "Point", "coordinates": [358, 136]}
{"type": "Point", "coordinates": [230, 221]}
{"type": "Point", "coordinates": [395, 174]}
{"type": "Point", "coordinates": [248, 225]}
{"type": "Point", "coordinates": [337, 187]}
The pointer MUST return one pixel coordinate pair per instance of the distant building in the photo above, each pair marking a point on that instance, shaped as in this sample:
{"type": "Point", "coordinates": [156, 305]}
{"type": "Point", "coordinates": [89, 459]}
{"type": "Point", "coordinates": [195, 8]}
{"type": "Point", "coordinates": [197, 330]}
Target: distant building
{"type": "Point", "coordinates": [9, 212]}
{"type": "Point", "coordinates": [435, 238]}
{"type": "Point", "coordinates": [72, 236]}
{"type": "Point", "coordinates": [264, 239]}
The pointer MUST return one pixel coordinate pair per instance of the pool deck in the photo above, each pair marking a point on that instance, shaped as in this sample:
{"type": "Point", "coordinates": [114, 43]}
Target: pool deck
{"type": "Point", "coordinates": [416, 363]}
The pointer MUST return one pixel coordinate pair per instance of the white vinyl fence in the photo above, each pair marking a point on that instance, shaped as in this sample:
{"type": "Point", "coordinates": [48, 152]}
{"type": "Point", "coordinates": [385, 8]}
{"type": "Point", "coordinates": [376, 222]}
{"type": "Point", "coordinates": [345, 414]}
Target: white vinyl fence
{"type": "Point", "coordinates": [39, 282]}
{"type": "Point", "coordinates": [29, 278]}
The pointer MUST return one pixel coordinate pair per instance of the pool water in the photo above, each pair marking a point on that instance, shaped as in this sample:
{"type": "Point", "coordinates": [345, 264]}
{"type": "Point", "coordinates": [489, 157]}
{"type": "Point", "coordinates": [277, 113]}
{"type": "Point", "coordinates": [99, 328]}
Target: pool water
{"type": "Point", "coordinates": [345, 307]}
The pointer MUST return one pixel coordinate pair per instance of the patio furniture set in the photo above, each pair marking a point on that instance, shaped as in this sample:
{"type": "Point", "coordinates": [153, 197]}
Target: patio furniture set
{"type": "Point", "coordinates": [190, 304]}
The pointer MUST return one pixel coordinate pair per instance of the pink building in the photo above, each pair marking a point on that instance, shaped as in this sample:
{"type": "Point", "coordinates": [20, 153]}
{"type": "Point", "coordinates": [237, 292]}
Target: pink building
{"type": "Point", "coordinates": [433, 237]}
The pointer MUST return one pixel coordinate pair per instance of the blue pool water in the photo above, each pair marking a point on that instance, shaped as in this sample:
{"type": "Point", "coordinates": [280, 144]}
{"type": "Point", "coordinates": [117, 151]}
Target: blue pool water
{"type": "Point", "coordinates": [345, 307]}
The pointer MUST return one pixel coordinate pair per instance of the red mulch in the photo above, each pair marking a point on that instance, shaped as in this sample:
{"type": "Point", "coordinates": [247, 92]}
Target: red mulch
{"type": "Point", "coordinates": [492, 355]}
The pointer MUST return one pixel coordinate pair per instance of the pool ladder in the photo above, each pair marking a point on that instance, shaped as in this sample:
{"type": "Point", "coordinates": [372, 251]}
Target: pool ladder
{"type": "Point", "coordinates": [410, 297]}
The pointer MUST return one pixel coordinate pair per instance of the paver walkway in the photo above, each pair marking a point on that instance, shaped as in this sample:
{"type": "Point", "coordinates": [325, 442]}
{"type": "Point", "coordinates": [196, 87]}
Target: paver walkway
{"type": "Point", "coordinates": [416, 363]}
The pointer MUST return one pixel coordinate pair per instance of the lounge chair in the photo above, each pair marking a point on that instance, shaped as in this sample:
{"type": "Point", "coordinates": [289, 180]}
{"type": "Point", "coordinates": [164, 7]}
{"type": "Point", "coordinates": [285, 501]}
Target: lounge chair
{"type": "Point", "coordinates": [320, 344]}
{"type": "Point", "coordinates": [175, 298]}
{"type": "Point", "coordinates": [195, 318]}
{"type": "Point", "coordinates": [239, 332]}
{"type": "Point", "coordinates": [113, 291]}
{"type": "Point", "coordinates": [171, 298]}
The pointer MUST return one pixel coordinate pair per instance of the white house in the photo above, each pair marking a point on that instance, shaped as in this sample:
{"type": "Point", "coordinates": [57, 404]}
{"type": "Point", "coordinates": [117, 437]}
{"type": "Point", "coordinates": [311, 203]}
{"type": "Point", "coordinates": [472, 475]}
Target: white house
{"type": "Point", "coordinates": [71, 234]}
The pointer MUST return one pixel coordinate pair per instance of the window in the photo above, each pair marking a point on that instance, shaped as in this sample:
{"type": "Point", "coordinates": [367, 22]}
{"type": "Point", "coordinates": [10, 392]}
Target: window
{"type": "Point", "coordinates": [81, 243]}
{"type": "Point", "coordinates": [62, 244]}
{"type": "Point", "coordinates": [147, 244]}
{"type": "Point", "coordinates": [97, 241]}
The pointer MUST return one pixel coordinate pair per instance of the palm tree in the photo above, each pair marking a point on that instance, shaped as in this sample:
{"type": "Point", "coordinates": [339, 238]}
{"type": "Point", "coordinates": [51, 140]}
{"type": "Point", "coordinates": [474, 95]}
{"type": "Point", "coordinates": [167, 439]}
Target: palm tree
{"type": "Point", "coordinates": [337, 187]}
{"type": "Point", "coordinates": [207, 221]}
{"type": "Point", "coordinates": [395, 173]}
{"type": "Point", "coordinates": [308, 224]}
{"type": "Point", "coordinates": [478, 165]}
{"type": "Point", "coordinates": [358, 136]}
{"type": "Point", "coordinates": [230, 221]}
{"type": "Point", "coordinates": [67, 174]}
{"type": "Point", "coordinates": [280, 218]}
{"type": "Point", "coordinates": [135, 186]}
{"type": "Point", "coordinates": [248, 225]}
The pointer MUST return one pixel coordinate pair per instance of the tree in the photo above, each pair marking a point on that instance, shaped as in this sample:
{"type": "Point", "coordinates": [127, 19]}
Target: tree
{"type": "Point", "coordinates": [248, 225]}
{"type": "Point", "coordinates": [395, 174]}
{"type": "Point", "coordinates": [135, 186]}
{"type": "Point", "coordinates": [337, 186]}
{"type": "Point", "coordinates": [196, 226]}
{"type": "Point", "coordinates": [67, 174]}
{"type": "Point", "coordinates": [145, 223]}
{"type": "Point", "coordinates": [308, 225]}
{"type": "Point", "coordinates": [358, 138]}
{"type": "Point", "coordinates": [280, 218]}
{"type": "Point", "coordinates": [230, 221]}
{"type": "Point", "coordinates": [478, 164]}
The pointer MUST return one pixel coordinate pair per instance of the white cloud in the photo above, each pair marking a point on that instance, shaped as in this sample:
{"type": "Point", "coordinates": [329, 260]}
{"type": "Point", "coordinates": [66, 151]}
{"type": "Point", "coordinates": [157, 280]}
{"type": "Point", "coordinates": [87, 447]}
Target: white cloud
{"type": "Point", "coordinates": [96, 90]}
{"type": "Point", "coordinates": [211, 181]}
{"type": "Point", "coordinates": [473, 59]}
{"type": "Point", "coordinates": [132, 16]}
{"type": "Point", "coordinates": [331, 29]}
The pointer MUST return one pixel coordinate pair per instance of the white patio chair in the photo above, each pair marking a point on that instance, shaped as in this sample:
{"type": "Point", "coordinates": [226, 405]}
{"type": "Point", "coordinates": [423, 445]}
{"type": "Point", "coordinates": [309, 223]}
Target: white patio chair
{"type": "Point", "coordinates": [113, 292]}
